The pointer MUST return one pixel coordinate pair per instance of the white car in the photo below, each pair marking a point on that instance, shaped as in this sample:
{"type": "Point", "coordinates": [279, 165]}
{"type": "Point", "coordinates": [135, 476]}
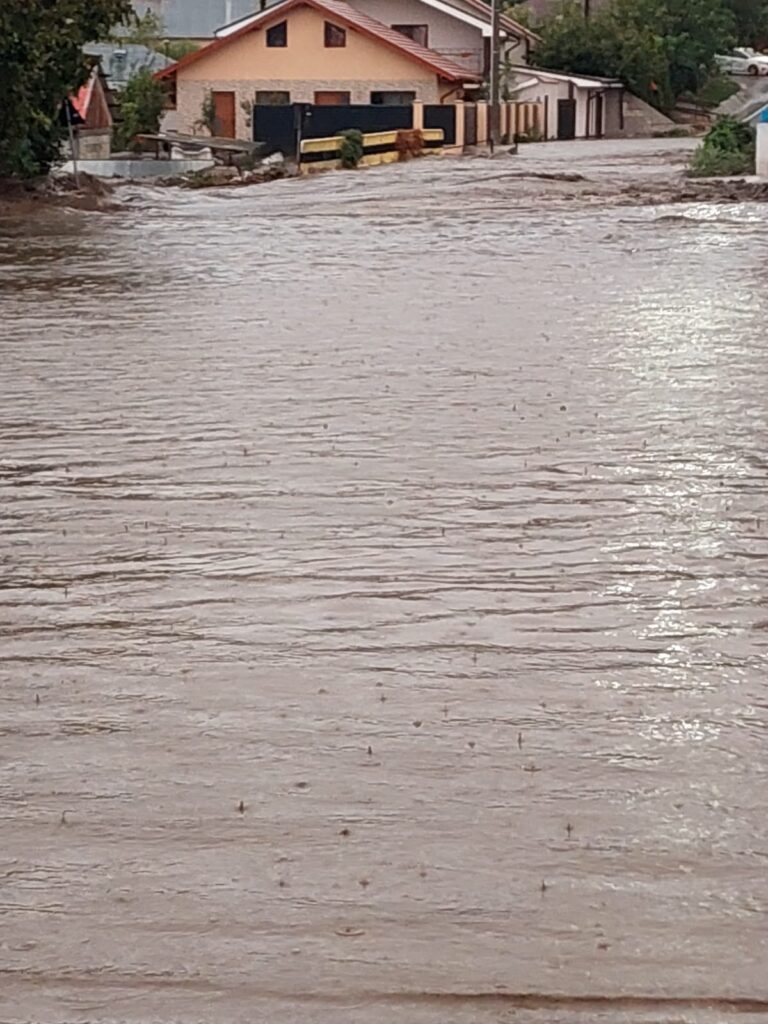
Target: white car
{"type": "Point", "coordinates": [743, 61]}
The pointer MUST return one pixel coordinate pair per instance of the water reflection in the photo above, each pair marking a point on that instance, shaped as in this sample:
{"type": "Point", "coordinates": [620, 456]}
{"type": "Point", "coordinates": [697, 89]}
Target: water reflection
{"type": "Point", "coordinates": [285, 482]}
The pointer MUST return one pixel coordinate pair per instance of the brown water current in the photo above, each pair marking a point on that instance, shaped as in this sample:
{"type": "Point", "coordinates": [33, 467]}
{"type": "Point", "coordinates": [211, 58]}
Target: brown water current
{"type": "Point", "coordinates": [383, 608]}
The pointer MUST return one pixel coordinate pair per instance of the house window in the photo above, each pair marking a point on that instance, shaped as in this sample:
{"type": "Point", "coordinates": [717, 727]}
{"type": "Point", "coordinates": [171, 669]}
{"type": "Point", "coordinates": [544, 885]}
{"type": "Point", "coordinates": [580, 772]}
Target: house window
{"type": "Point", "coordinates": [278, 34]}
{"type": "Point", "coordinates": [169, 91]}
{"type": "Point", "coordinates": [331, 99]}
{"type": "Point", "coordinates": [273, 99]}
{"type": "Point", "coordinates": [335, 36]}
{"type": "Point", "coordinates": [392, 99]}
{"type": "Point", "coordinates": [418, 33]}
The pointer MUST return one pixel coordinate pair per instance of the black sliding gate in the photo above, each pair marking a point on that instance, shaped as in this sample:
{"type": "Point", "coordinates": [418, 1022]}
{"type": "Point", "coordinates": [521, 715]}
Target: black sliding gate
{"type": "Point", "coordinates": [279, 128]}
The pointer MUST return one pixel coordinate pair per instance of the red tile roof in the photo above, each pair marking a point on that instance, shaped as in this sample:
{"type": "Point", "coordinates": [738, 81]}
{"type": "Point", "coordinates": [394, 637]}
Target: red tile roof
{"type": "Point", "coordinates": [342, 12]}
{"type": "Point", "coordinates": [82, 101]}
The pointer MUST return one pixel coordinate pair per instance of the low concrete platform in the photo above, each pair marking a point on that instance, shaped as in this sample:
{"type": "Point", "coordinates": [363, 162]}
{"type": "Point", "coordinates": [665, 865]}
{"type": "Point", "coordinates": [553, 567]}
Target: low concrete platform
{"type": "Point", "coordinates": [137, 168]}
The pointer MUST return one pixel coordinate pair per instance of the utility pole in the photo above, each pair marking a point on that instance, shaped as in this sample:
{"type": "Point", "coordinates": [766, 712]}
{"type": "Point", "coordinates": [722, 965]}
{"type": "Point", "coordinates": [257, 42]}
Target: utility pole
{"type": "Point", "coordinates": [74, 142]}
{"type": "Point", "coordinates": [495, 113]}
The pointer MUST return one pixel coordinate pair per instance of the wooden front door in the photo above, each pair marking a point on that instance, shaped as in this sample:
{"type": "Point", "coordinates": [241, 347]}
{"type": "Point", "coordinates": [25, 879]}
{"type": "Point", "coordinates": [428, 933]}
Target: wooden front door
{"type": "Point", "coordinates": [566, 119]}
{"type": "Point", "coordinates": [332, 99]}
{"type": "Point", "coordinates": [224, 105]}
{"type": "Point", "coordinates": [599, 117]}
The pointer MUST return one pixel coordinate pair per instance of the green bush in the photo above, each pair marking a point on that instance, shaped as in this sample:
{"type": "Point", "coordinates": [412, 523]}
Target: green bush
{"type": "Point", "coordinates": [207, 117]}
{"type": "Point", "coordinates": [350, 148]}
{"type": "Point", "coordinates": [177, 49]}
{"type": "Point", "coordinates": [730, 135]}
{"type": "Point", "coordinates": [728, 149]}
{"type": "Point", "coordinates": [141, 106]}
{"type": "Point", "coordinates": [41, 63]}
{"type": "Point", "coordinates": [716, 163]}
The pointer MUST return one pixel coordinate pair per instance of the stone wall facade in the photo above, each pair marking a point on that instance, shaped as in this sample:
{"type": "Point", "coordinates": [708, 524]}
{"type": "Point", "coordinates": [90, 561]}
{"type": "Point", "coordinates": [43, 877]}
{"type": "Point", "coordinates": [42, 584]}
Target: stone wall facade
{"type": "Point", "coordinates": [93, 143]}
{"type": "Point", "coordinates": [190, 96]}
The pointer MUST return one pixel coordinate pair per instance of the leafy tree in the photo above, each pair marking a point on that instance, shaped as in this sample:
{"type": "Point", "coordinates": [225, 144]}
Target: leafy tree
{"type": "Point", "coordinates": [696, 31]}
{"type": "Point", "coordinates": [750, 21]}
{"type": "Point", "coordinates": [178, 48]}
{"type": "Point", "coordinates": [622, 41]}
{"type": "Point", "coordinates": [141, 105]}
{"type": "Point", "coordinates": [142, 30]}
{"type": "Point", "coordinates": [658, 48]}
{"type": "Point", "coordinates": [41, 62]}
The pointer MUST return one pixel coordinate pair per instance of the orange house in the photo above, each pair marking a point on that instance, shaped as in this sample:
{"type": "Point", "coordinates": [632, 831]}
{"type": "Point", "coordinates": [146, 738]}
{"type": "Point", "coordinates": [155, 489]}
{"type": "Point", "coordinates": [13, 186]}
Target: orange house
{"type": "Point", "coordinates": [307, 51]}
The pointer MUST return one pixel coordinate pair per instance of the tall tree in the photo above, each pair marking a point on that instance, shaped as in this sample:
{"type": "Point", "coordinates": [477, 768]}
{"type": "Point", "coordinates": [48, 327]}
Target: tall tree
{"type": "Point", "coordinates": [658, 48]}
{"type": "Point", "coordinates": [751, 21]}
{"type": "Point", "coordinates": [41, 62]}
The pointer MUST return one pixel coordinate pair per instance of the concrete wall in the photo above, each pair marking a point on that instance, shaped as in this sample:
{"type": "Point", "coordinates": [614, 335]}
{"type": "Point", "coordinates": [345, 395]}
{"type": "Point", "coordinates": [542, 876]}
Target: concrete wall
{"type": "Point", "coordinates": [761, 162]}
{"type": "Point", "coordinates": [191, 95]}
{"type": "Point", "coordinates": [548, 93]}
{"type": "Point", "coordinates": [447, 35]}
{"type": "Point", "coordinates": [613, 121]}
{"type": "Point", "coordinates": [641, 120]}
{"type": "Point", "coordinates": [137, 168]}
{"type": "Point", "coordinates": [93, 143]}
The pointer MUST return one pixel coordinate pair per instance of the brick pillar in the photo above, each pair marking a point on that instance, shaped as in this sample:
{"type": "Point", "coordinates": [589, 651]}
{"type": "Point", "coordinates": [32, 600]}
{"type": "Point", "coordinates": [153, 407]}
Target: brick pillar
{"type": "Point", "coordinates": [460, 134]}
{"type": "Point", "coordinates": [418, 115]}
{"type": "Point", "coordinates": [482, 123]}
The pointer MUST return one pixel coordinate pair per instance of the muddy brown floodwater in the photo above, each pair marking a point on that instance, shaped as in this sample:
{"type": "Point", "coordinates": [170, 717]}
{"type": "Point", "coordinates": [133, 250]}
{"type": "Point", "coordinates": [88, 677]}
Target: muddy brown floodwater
{"type": "Point", "coordinates": [423, 514]}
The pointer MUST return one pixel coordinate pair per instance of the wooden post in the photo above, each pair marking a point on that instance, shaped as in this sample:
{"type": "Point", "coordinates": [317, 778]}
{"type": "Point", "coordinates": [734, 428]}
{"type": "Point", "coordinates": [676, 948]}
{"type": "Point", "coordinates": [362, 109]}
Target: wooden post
{"type": "Point", "coordinates": [72, 142]}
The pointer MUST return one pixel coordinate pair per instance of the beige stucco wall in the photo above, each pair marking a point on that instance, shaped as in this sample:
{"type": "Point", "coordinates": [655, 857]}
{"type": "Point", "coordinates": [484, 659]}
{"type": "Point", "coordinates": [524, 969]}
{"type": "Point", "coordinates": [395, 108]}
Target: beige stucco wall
{"type": "Point", "coordinates": [305, 57]}
{"type": "Point", "coordinates": [302, 68]}
{"type": "Point", "coordinates": [190, 95]}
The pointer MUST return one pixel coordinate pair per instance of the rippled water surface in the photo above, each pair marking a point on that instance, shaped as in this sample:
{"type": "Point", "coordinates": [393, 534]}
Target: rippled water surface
{"type": "Point", "coordinates": [432, 527]}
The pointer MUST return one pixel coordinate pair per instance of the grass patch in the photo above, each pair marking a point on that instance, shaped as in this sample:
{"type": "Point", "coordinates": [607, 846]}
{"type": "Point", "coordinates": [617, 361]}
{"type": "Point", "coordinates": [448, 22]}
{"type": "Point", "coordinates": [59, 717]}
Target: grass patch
{"type": "Point", "coordinates": [716, 91]}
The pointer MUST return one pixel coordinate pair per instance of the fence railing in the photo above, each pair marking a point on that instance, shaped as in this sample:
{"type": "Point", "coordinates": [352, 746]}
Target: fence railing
{"type": "Point", "coordinates": [462, 124]}
{"type": "Point", "coordinates": [378, 148]}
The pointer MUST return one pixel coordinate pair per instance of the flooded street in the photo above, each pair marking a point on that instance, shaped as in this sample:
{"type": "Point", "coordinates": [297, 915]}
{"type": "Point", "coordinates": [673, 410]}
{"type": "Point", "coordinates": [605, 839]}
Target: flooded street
{"type": "Point", "coordinates": [423, 511]}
